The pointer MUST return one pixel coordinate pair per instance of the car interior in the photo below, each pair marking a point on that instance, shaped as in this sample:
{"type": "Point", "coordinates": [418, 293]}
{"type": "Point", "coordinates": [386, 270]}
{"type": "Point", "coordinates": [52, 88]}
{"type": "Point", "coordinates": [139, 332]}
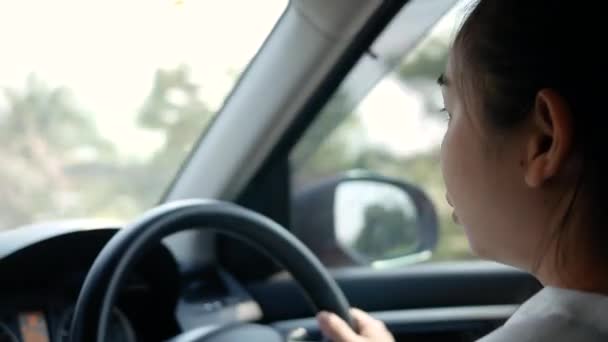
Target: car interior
{"type": "Point", "coordinates": [243, 237]}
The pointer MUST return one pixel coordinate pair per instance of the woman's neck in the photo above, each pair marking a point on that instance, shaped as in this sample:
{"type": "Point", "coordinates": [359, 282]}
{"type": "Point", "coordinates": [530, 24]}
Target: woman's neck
{"type": "Point", "coordinates": [573, 267]}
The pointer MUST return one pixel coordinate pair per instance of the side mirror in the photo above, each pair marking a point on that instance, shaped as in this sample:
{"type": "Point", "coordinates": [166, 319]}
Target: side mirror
{"type": "Point", "coordinates": [365, 219]}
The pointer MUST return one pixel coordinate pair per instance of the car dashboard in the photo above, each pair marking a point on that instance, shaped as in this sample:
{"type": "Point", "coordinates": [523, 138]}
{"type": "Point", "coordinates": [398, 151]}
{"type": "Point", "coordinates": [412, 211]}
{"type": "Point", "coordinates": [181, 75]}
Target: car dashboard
{"type": "Point", "coordinates": [43, 267]}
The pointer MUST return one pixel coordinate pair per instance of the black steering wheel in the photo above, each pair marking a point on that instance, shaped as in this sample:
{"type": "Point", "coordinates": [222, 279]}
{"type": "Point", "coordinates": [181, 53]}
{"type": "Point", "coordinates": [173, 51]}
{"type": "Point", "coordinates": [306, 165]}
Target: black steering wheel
{"type": "Point", "coordinates": [121, 253]}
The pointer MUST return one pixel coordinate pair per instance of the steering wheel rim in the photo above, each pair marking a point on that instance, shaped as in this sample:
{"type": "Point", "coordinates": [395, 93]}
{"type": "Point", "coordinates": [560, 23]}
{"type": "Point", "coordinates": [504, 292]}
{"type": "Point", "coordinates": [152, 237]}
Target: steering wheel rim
{"type": "Point", "coordinates": [125, 249]}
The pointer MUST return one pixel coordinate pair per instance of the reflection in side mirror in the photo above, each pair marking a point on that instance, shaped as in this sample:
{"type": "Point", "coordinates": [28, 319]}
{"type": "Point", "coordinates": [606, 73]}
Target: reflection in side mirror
{"type": "Point", "coordinates": [377, 223]}
{"type": "Point", "coordinates": [365, 219]}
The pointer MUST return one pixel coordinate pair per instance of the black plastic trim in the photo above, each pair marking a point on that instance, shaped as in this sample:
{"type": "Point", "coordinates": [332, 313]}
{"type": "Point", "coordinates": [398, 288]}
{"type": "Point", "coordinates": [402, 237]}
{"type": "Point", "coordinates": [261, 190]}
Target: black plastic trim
{"type": "Point", "coordinates": [423, 286]}
{"type": "Point", "coordinates": [359, 47]}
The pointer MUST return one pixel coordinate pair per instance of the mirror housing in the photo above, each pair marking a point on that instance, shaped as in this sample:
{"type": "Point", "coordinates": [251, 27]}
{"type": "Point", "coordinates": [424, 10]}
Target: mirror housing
{"type": "Point", "coordinates": [361, 218]}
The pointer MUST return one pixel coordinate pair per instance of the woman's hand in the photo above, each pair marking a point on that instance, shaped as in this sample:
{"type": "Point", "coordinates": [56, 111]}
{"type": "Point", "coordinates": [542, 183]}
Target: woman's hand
{"type": "Point", "coordinates": [370, 329]}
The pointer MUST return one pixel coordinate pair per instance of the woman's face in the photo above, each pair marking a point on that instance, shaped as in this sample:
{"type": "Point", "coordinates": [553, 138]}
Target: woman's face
{"type": "Point", "coordinates": [484, 179]}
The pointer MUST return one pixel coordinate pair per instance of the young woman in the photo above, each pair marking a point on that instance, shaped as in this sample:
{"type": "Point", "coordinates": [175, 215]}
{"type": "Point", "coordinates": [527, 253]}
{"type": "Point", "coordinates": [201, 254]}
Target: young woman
{"type": "Point", "coordinates": [525, 160]}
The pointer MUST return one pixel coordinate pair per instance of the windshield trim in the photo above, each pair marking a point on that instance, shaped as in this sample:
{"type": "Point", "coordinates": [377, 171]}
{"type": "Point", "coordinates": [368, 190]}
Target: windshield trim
{"type": "Point", "coordinates": [199, 141]}
{"type": "Point", "coordinates": [380, 59]}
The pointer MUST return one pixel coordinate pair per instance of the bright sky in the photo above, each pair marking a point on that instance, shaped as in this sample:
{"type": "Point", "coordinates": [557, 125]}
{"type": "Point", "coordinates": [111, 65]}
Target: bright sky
{"type": "Point", "coordinates": [394, 114]}
{"type": "Point", "coordinates": [395, 117]}
{"type": "Point", "coordinates": [107, 51]}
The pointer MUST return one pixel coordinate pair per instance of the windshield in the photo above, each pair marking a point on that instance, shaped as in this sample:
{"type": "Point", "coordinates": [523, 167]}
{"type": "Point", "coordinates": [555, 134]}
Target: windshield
{"type": "Point", "coordinates": [101, 102]}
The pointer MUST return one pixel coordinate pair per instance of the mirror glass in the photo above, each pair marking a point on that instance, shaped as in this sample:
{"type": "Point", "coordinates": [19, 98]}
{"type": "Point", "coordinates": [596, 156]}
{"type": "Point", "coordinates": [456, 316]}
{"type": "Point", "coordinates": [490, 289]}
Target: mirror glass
{"type": "Point", "coordinates": [376, 223]}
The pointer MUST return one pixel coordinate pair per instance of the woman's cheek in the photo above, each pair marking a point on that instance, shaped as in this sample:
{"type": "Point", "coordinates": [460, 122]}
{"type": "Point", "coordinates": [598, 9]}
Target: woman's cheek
{"type": "Point", "coordinates": [445, 157]}
{"type": "Point", "coordinates": [454, 161]}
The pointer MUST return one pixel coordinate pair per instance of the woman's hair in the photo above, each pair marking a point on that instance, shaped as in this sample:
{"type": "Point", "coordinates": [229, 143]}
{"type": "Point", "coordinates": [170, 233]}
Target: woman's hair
{"type": "Point", "coordinates": [508, 50]}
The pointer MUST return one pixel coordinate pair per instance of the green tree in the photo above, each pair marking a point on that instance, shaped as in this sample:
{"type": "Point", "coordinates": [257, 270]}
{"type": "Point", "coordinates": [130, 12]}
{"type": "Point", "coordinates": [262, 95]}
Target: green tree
{"type": "Point", "coordinates": [331, 145]}
{"type": "Point", "coordinates": [174, 109]}
{"type": "Point", "coordinates": [387, 233]}
{"type": "Point", "coordinates": [421, 69]}
{"type": "Point", "coordinates": [427, 61]}
{"type": "Point", "coordinates": [42, 135]}
{"type": "Point", "coordinates": [56, 163]}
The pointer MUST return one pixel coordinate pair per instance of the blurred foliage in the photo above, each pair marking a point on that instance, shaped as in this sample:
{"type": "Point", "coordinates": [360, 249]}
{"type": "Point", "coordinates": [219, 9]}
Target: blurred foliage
{"type": "Point", "coordinates": [331, 146]}
{"type": "Point", "coordinates": [426, 62]}
{"type": "Point", "coordinates": [387, 233]}
{"type": "Point", "coordinates": [173, 108]}
{"type": "Point", "coordinates": [42, 132]}
{"type": "Point", "coordinates": [56, 163]}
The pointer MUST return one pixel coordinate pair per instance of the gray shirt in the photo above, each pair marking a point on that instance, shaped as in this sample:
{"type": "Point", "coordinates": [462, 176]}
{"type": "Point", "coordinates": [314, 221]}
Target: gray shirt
{"type": "Point", "coordinates": [557, 315]}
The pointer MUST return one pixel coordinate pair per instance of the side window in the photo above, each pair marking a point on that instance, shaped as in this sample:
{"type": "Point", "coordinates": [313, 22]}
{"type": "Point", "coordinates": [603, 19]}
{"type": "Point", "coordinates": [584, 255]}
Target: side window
{"type": "Point", "coordinates": [367, 182]}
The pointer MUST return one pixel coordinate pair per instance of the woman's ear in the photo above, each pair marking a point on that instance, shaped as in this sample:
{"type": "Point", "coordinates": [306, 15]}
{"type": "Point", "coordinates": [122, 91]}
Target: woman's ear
{"type": "Point", "coordinates": [550, 141]}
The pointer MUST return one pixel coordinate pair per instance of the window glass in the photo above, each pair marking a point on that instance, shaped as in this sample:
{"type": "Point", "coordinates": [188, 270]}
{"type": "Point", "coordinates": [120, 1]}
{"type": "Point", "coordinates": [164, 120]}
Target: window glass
{"type": "Point", "coordinates": [101, 101]}
{"type": "Point", "coordinates": [395, 131]}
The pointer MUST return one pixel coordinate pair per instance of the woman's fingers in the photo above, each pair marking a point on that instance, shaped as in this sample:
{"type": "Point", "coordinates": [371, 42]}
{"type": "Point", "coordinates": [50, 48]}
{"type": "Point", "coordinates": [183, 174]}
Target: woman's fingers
{"type": "Point", "coordinates": [370, 329]}
{"type": "Point", "coordinates": [336, 328]}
